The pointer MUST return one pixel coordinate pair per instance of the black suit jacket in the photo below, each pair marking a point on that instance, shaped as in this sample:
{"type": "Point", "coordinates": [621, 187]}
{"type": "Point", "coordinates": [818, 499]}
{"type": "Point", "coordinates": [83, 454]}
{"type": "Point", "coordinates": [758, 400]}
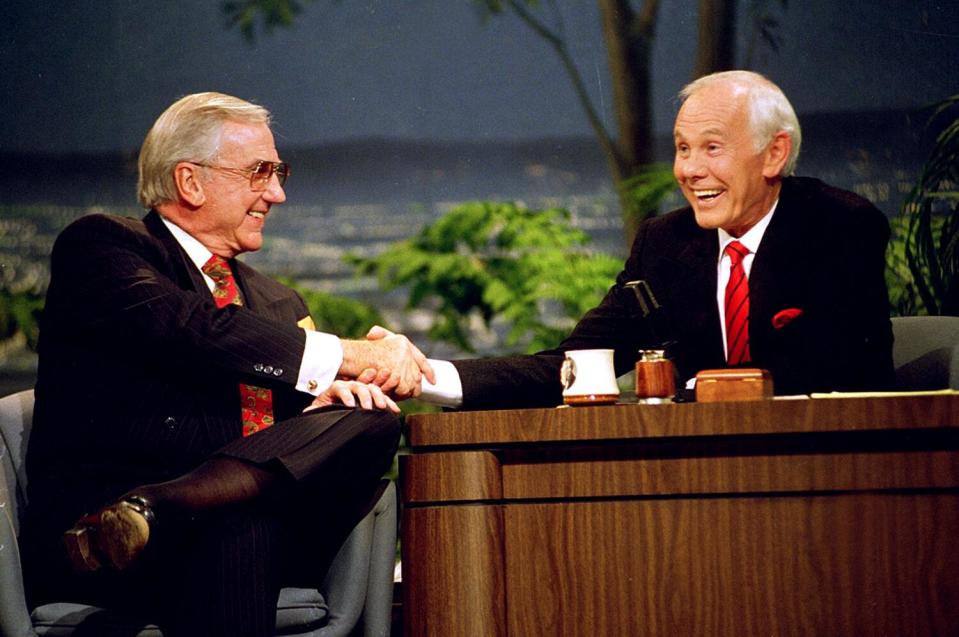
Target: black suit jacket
{"type": "Point", "coordinates": [138, 368]}
{"type": "Point", "coordinates": [823, 254]}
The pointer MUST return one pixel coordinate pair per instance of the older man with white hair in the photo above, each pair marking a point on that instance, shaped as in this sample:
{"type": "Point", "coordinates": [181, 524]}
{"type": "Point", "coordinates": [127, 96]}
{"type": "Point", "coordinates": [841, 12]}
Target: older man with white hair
{"type": "Point", "coordinates": [196, 443]}
{"type": "Point", "coordinates": [762, 269]}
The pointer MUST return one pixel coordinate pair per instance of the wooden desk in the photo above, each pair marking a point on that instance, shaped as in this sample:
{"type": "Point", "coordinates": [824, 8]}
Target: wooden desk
{"type": "Point", "coordinates": [803, 517]}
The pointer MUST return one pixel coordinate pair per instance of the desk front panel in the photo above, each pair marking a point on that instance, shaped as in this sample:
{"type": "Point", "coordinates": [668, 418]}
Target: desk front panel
{"type": "Point", "coordinates": [805, 528]}
{"type": "Point", "coordinates": [846, 564]}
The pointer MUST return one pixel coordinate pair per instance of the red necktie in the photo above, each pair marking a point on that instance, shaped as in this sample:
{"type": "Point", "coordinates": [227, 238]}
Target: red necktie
{"type": "Point", "coordinates": [256, 403]}
{"type": "Point", "coordinates": [737, 306]}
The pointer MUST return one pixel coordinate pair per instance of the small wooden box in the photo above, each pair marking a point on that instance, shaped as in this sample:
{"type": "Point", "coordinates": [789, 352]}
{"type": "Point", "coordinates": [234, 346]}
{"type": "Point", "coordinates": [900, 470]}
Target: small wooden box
{"type": "Point", "coordinates": [713, 385]}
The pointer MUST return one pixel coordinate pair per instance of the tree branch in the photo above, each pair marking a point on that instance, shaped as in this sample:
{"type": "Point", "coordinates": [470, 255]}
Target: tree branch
{"type": "Point", "coordinates": [609, 147]}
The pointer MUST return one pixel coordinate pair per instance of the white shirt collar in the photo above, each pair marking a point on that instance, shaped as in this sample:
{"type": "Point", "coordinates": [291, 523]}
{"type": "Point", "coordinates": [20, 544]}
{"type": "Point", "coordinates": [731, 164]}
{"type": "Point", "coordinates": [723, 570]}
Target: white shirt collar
{"type": "Point", "coordinates": [197, 252]}
{"type": "Point", "coordinates": [752, 238]}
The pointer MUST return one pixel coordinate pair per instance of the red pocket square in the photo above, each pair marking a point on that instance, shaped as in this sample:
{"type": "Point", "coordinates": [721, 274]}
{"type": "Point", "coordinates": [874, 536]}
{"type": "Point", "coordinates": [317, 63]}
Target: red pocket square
{"type": "Point", "coordinates": [785, 317]}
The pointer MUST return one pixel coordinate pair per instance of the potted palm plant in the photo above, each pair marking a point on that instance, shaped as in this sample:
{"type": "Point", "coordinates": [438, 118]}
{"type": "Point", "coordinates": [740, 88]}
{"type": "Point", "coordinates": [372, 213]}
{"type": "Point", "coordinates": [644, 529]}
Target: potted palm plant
{"type": "Point", "coordinates": [931, 215]}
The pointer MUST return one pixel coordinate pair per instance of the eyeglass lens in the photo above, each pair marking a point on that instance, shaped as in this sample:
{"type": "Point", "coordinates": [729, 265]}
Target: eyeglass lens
{"type": "Point", "coordinates": [265, 169]}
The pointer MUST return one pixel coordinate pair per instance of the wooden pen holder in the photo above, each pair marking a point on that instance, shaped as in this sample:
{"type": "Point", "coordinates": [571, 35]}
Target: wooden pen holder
{"type": "Point", "coordinates": [713, 385]}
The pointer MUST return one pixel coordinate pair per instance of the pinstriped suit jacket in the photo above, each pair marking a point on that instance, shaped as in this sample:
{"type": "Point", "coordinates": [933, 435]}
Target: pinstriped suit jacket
{"type": "Point", "coordinates": [823, 253]}
{"type": "Point", "coordinates": [139, 368]}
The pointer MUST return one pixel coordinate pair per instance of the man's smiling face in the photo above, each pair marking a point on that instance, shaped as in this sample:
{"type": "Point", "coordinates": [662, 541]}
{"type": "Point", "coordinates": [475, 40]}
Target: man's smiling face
{"type": "Point", "coordinates": [728, 183]}
{"type": "Point", "coordinates": [232, 216]}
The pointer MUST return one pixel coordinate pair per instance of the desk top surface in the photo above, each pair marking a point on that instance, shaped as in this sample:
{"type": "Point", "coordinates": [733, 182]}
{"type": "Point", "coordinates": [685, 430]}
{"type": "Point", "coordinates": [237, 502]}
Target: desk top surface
{"type": "Point", "coordinates": [632, 421]}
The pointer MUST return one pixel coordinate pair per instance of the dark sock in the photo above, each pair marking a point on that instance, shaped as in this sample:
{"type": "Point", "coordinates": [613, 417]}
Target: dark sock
{"type": "Point", "coordinates": [218, 482]}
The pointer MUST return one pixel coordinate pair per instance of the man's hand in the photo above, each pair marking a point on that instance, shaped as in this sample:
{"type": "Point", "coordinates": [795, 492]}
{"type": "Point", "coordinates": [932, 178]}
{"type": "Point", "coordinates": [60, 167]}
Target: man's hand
{"type": "Point", "coordinates": [377, 333]}
{"type": "Point", "coordinates": [348, 392]}
{"type": "Point", "coordinates": [388, 360]}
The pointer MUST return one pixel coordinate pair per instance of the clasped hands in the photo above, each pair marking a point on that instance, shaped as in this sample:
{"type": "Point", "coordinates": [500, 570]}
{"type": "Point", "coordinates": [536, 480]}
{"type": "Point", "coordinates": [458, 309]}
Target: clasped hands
{"type": "Point", "coordinates": [376, 371]}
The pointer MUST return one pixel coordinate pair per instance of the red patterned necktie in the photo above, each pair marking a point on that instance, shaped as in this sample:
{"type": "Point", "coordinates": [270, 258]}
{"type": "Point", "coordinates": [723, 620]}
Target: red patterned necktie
{"type": "Point", "coordinates": [256, 403]}
{"type": "Point", "coordinates": [737, 306]}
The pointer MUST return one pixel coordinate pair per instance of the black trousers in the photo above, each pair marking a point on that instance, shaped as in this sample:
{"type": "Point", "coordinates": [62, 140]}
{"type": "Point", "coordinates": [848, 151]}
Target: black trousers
{"type": "Point", "coordinates": [220, 572]}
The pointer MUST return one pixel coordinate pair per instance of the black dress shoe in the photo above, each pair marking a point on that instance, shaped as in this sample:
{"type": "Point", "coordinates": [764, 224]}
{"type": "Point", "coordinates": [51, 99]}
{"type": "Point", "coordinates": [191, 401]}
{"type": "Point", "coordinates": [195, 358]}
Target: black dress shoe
{"type": "Point", "coordinates": [114, 536]}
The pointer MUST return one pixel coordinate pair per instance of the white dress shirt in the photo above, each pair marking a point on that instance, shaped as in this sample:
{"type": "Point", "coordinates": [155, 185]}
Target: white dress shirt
{"type": "Point", "coordinates": [750, 240]}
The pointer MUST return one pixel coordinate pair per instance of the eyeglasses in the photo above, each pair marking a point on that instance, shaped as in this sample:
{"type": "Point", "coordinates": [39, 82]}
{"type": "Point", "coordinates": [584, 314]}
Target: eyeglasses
{"type": "Point", "coordinates": [260, 174]}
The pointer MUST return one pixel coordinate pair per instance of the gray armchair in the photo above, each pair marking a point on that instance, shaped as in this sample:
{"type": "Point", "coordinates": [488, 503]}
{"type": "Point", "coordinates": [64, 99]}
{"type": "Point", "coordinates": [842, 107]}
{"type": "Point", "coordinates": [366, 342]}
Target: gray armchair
{"type": "Point", "coordinates": [356, 597]}
{"type": "Point", "coordinates": [926, 352]}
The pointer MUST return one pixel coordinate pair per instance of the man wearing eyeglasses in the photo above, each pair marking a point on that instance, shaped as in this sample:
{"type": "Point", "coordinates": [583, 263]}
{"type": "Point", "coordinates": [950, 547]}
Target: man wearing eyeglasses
{"type": "Point", "coordinates": [193, 434]}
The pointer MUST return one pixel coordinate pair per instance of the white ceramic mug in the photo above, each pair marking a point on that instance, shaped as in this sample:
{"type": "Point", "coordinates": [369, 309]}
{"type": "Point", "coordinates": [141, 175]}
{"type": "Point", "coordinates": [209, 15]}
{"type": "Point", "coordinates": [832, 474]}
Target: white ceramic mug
{"type": "Point", "coordinates": [588, 377]}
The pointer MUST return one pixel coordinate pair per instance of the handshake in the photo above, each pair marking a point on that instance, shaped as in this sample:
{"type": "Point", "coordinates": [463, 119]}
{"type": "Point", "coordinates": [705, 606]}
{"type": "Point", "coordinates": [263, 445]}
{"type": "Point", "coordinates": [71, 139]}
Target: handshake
{"type": "Point", "coordinates": [377, 372]}
{"type": "Point", "coordinates": [389, 361]}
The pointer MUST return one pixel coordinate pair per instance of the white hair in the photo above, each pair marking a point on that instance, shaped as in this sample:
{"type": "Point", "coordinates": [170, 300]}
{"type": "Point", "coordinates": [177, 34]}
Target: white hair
{"type": "Point", "coordinates": [189, 130]}
{"type": "Point", "coordinates": [768, 110]}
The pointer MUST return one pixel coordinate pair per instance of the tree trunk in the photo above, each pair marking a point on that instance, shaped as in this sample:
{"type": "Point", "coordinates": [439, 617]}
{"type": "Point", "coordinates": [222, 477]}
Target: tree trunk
{"type": "Point", "coordinates": [629, 39]}
{"type": "Point", "coordinates": [717, 37]}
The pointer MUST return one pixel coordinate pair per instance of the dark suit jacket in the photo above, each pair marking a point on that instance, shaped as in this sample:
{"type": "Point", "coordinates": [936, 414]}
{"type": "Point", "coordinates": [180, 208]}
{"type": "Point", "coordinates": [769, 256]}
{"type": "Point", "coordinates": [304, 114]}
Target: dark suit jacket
{"type": "Point", "coordinates": [138, 371]}
{"type": "Point", "coordinates": [823, 253]}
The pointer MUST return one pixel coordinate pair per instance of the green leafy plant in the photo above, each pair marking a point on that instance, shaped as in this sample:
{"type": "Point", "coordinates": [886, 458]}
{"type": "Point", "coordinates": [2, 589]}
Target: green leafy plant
{"type": "Point", "coordinates": [20, 314]}
{"type": "Point", "coordinates": [931, 244]}
{"type": "Point", "coordinates": [242, 14]}
{"type": "Point", "coordinates": [647, 188]}
{"type": "Point", "coordinates": [903, 298]}
{"type": "Point", "coordinates": [340, 315]}
{"type": "Point", "coordinates": [529, 269]}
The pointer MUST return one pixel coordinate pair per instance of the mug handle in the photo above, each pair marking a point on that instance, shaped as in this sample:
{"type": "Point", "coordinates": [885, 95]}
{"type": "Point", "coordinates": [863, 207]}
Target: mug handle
{"type": "Point", "coordinates": [567, 373]}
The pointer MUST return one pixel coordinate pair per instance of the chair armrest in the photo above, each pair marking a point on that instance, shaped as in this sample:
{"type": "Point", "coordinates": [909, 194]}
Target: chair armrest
{"type": "Point", "coordinates": [358, 580]}
{"type": "Point", "coordinates": [378, 613]}
{"type": "Point", "coordinates": [14, 616]}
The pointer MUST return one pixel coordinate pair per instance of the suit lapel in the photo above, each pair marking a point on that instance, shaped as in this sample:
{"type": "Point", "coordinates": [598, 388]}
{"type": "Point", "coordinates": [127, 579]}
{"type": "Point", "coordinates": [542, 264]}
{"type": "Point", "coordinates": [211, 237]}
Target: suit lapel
{"type": "Point", "coordinates": [698, 260]}
{"type": "Point", "coordinates": [773, 284]}
{"type": "Point", "coordinates": [691, 284]}
{"type": "Point", "coordinates": [777, 280]}
{"type": "Point", "coordinates": [699, 256]}
{"type": "Point", "coordinates": [254, 297]}
{"type": "Point", "coordinates": [185, 272]}
{"type": "Point", "coordinates": [257, 297]}
{"type": "Point", "coordinates": [270, 300]}
{"type": "Point", "coordinates": [706, 244]}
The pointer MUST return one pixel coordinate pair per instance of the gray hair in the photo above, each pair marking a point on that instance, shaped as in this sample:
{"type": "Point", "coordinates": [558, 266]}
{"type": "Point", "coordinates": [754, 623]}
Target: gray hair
{"type": "Point", "coordinates": [768, 110]}
{"type": "Point", "coordinates": [189, 130]}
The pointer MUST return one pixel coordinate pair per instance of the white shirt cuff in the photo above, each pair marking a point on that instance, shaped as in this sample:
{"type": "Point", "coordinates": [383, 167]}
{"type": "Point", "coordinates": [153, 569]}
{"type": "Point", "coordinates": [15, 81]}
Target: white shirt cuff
{"type": "Point", "coordinates": [448, 390]}
{"type": "Point", "coordinates": [322, 358]}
